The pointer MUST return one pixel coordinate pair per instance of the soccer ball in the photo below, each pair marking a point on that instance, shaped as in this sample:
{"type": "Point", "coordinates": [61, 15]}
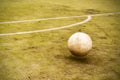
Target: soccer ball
{"type": "Point", "coordinates": [80, 44]}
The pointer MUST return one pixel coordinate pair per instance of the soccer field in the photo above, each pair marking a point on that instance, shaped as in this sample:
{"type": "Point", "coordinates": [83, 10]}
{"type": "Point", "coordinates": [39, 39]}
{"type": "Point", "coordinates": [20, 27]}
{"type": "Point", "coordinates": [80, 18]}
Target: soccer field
{"type": "Point", "coordinates": [34, 35]}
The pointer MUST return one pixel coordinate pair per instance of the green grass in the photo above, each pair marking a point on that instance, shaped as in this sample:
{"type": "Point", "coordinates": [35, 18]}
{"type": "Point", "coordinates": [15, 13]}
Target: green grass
{"type": "Point", "coordinates": [45, 56]}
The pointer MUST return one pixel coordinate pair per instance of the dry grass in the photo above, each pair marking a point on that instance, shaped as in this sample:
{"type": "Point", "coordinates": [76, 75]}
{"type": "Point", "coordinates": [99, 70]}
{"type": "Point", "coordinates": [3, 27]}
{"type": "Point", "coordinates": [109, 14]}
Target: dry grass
{"type": "Point", "coordinates": [45, 56]}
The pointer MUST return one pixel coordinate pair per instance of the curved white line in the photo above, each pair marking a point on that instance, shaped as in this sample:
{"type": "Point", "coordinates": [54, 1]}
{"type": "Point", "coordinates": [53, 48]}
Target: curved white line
{"type": "Point", "coordinates": [51, 29]}
{"type": "Point", "coordinates": [43, 19]}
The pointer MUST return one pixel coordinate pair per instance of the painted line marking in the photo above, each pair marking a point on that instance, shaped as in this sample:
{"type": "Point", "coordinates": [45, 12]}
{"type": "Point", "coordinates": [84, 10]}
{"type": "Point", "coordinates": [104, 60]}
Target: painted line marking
{"type": "Point", "coordinates": [51, 29]}
{"type": "Point", "coordinates": [89, 17]}
{"type": "Point", "coordinates": [43, 19]}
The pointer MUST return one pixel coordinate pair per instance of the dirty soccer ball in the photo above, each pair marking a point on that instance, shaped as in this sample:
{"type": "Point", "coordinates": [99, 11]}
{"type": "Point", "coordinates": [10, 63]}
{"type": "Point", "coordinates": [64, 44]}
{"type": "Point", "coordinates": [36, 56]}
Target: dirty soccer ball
{"type": "Point", "coordinates": [80, 44]}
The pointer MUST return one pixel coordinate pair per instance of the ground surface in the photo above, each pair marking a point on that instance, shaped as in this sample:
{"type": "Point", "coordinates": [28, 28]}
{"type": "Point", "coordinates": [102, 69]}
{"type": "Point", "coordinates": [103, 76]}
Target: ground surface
{"type": "Point", "coordinates": [44, 56]}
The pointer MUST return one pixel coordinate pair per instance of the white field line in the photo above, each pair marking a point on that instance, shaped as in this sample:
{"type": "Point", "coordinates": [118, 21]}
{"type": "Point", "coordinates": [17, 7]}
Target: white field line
{"type": "Point", "coordinates": [43, 19]}
{"type": "Point", "coordinates": [44, 30]}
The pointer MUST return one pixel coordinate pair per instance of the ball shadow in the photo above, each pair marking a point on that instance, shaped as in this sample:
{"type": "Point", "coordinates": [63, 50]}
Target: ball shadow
{"type": "Point", "coordinates": [83, 60]}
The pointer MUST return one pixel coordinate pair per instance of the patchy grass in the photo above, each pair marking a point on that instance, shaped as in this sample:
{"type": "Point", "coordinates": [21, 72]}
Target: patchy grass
{"type": "Point", "coordinates": [45, 56]}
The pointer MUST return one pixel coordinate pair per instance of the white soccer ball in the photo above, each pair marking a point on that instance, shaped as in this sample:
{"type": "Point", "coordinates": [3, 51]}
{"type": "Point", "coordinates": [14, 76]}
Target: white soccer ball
{"type": "Point", "coordinates": [80, 44]}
